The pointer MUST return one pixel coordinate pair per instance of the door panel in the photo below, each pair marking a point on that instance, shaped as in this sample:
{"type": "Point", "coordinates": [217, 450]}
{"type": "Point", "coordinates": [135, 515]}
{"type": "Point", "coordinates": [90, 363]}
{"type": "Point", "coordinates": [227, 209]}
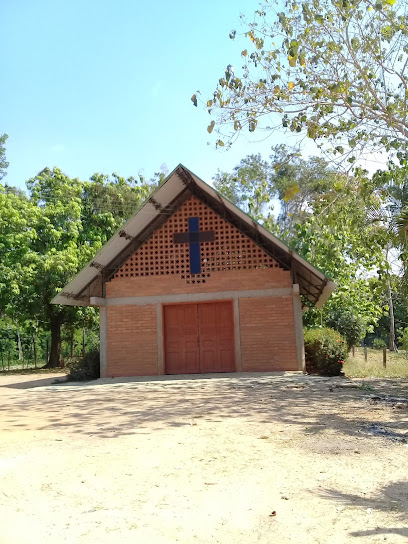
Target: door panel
{"type": "Point", "coordinates": [181, 339]}
{"type": "Point", "coordinates": [216, 328]}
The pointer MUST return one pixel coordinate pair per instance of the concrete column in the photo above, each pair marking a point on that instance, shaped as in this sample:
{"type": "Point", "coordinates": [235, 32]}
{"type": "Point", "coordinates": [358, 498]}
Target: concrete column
{"type": "Point", "coordinates": [159, 321]}
{"type": "Point", "coordinates": [237, 332]}
{"type": "Point", "coordinates": [103, 341]}
{"type": "Point", "coordinates": [297, 315]}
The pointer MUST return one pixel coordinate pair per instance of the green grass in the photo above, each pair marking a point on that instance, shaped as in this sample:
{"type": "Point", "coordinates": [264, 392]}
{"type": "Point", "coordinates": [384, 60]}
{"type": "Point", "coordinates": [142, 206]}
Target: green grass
{"type": "Point", "coordinates": [356, 367]}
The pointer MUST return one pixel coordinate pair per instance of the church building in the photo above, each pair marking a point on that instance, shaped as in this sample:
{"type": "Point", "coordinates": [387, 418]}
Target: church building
{"type": "Point", "coordinates": [191, 284]}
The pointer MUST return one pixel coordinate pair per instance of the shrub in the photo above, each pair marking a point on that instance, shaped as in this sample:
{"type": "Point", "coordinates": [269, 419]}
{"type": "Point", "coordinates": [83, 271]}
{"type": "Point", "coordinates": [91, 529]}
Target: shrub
{"type": "Point", "coordinates": [378, 343]}
{"type": "Point", "coordinates": [86, 368]}
{"type": "Point", "coordinates": [325, 352]}
{"type": "Point", "coordinates": [403, 338]}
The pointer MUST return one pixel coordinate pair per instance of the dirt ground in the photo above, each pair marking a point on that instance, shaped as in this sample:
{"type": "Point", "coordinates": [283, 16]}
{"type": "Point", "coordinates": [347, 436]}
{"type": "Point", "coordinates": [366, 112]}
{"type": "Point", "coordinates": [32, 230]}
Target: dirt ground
{"type": "Point", "coordinates": [237, 459]}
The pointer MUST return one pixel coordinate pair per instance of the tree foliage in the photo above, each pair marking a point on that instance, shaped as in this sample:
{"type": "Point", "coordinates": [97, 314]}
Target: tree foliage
{"type": "Point", "coordinates": [348, 323]}
{"type": "Point", "coordinates": [333, 69]}
{"type": "Point", "coordinates": [324, 216]}
{"type": "Point", "coordinates": [50, 234]}
{"type": "Point", "coordinates": [3, 163]}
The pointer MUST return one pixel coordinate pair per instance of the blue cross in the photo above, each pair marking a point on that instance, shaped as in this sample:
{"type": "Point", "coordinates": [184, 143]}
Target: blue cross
{"type": "Point", "coordinates": [194, 237]}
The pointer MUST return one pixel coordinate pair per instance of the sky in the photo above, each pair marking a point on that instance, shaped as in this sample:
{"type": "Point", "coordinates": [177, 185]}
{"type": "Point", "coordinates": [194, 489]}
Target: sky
{"type": "Point", "coordinates": [100, 86]}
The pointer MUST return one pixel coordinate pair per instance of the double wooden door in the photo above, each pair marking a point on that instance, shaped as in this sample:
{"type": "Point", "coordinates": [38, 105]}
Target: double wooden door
{"type": "Point", "coordinates": [199, 338]}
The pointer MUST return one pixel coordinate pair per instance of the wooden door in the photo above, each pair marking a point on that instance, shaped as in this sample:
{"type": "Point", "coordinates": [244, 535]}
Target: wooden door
{"type": "Point", "coordinates": [199, 338]}
{"type": "Point", "coordinates": [216, 338]}
{"type": "Point", "coordinates": [181, 339]}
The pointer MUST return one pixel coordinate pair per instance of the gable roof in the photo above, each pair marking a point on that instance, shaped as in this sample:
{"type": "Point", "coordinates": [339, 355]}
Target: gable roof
{"type": "Point", "coordinates": [162, 203]}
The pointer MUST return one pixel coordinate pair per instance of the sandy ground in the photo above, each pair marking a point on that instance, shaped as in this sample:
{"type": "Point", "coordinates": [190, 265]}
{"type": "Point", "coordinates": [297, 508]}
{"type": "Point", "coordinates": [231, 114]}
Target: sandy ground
{"type": "Point", "coordinates": [241, 459]}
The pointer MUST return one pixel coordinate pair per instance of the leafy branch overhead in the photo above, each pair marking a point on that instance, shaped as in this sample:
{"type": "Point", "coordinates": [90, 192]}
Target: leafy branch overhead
{"type": "Point", "coordinates": [334, 69]}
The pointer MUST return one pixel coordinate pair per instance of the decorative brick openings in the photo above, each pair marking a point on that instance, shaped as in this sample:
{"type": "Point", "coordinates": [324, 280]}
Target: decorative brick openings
{"type": "Point", "coordinates": [231, 250]}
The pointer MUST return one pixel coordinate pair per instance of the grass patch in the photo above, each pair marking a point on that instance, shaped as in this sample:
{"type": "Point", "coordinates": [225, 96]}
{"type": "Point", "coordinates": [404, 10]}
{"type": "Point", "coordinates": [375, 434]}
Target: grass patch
{"type": "Point", "coordinates": [357, 367]}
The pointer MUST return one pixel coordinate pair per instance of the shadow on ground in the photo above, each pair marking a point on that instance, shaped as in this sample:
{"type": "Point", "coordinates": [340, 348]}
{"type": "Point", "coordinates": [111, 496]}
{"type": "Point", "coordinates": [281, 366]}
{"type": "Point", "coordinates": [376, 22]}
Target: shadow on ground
{"type": "Point", "coordinates": [390, 498]}
{"type": "Point", "coordinates": [109, 408]}
{"type": "Point", "coordinates": [35, 383]}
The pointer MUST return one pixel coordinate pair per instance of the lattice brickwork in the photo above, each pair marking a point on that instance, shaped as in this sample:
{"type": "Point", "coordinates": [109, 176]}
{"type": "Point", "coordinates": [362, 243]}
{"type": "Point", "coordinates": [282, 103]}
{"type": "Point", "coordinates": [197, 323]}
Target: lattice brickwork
{"type": "Point", "coordinates": [230, 250]}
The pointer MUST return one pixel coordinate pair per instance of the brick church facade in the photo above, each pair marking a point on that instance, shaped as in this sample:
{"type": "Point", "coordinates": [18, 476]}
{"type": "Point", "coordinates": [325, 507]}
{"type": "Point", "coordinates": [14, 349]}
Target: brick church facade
{"type": "Point", "coordinates": [193, 285]}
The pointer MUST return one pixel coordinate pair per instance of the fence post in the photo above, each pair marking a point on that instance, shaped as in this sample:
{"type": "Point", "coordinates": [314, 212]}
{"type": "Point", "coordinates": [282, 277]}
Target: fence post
{"type": "Point", "coordinates": [353, 352]}
{"type": "Point", "coordinates": [365, 353]}
{"type": "Point", "coordinates": [385, 356]}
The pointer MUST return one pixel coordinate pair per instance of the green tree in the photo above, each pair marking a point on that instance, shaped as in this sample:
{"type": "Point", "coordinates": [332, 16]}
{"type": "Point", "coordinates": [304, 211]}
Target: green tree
{"type": "Point", "coordinates": [3, 163]}
{"type": "Point", "coordinates": [348, 323]}
{"type": "Point", "coordinates": [248, 186]}
{"type": "Point", "coordinates": [286, 183]}
{"type": "Point", "coordinates": [335, 69]}
{"type": "Point", "coordinates": [323, 216]}
{"type": "Point", "coordinates": [297, 183]}
{"type": "Point", "coordinates": [47, 237]}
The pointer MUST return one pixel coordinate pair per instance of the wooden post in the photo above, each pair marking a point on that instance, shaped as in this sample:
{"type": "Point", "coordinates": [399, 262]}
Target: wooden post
{"type": "Point", "coordinates": [365, 353]}
{"type": "Point", "coordinates": [385, 356]}
{"type": "Point", "coordinates": [353, 351]}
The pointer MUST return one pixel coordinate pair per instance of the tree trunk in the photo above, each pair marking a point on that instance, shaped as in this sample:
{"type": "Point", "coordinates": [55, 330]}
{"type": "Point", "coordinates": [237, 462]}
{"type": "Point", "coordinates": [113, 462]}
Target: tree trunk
{"type": "Point", "coordinates": [35, 349]}
{"type": "Point", "coordinates": [55, 351]}
{"type": "Point", "coordinates": [72, 343]}
{"type": "Point", "coordinates": [391, 346]}
{"type": "Point", "coordinates": [20, 348]}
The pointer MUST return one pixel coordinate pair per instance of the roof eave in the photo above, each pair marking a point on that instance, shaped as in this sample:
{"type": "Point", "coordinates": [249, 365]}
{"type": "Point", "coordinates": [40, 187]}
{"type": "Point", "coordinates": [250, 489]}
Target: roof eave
{"type": "Point", "coordinates": [73, 293]}
{"type": "Point", "coordinates": [327, 291]}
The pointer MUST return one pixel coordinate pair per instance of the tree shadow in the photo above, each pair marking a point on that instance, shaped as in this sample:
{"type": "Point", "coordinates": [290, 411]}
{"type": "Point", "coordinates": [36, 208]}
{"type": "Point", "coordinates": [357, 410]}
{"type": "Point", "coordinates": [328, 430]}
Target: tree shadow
{"type": "Point", "coordinates": [116, 408]}
{"type": "Point", "coordinates": [392, 497]}
{"type": "Point", "coordinates": [36, 383]}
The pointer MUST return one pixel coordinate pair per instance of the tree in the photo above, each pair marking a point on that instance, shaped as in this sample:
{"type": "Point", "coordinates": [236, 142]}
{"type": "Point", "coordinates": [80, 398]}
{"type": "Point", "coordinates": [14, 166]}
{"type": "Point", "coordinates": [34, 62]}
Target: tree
{"type": "Point", "coordinates": [3, 163]}
{"type": "Point", "coordinates": [297, 184]}
{"type": "Point", "coordinates": [47, 237]}
{"type": "Point", "coordinates": [335, 69]}
{"type": "Point", "coordinates": [323, 216]}
{"type": "Point", "coordinates": [78, 218]}
{"type": "Point", "coordinates": [285, 182]}
{"type": "Point", "coordinates": [248, 186]}
{"type": "Point", "coordinates": [348, 323]}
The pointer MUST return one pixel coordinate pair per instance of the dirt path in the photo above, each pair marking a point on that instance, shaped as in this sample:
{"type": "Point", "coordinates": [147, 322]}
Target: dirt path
{"type": "Point", "coordinates": [202, 460]}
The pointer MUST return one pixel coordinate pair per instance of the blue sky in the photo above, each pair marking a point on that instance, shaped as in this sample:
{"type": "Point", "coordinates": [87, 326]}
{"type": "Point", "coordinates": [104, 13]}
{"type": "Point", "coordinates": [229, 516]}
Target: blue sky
{"type": "Point", "coordinates": [97, 86]}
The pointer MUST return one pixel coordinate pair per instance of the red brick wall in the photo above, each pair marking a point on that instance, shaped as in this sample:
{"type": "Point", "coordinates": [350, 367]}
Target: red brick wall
{"type": "Point", "coordinates": [131, 341]}
{"type": "Point", "coordinates": [231, 263]}
{"type": "Point", "coordinates": [241, 280]}
{"type": "Point", "coordinates": [267, 334]}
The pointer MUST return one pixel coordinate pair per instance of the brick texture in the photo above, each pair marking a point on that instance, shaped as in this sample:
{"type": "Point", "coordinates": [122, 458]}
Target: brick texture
{"type": "Point", "coordinates": [231, 263]}
{"type": "Point", "coordinates": [131, 341]}
{"type": "Point", "coordinates": [220, 281]}
{"type": "Point", "coordinates": [267, 334]}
